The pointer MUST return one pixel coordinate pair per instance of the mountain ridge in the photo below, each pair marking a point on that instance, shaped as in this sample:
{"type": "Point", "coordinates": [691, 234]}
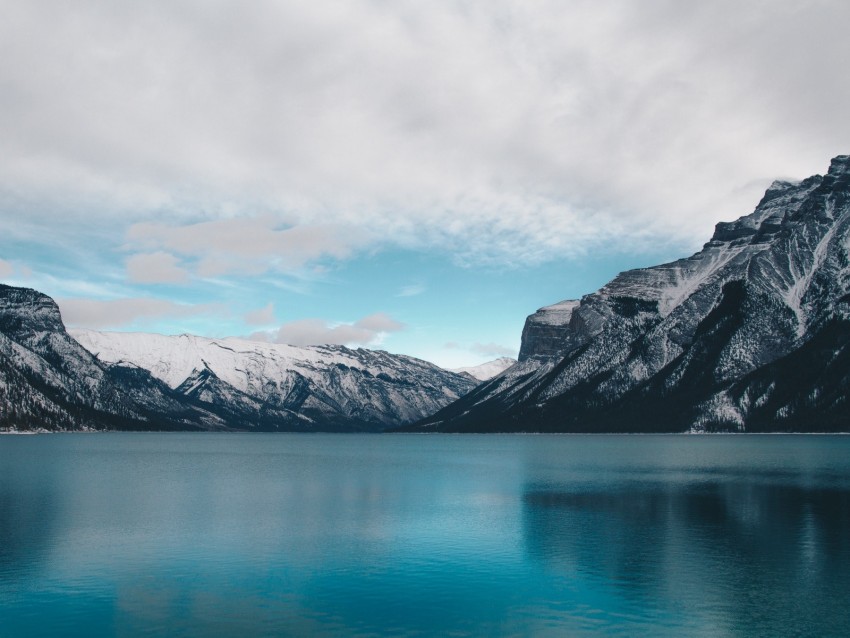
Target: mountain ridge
{"type": "Point", "coordinates": [749, 334]}
{"type": "Point", "coordinates": [50, 382]}
{"type": "Point", "coordinates": [487, 370]}
{"type": "Point", "coordinates": [678, 347]}
{"type": "Point", "coordinates": [344, 387]}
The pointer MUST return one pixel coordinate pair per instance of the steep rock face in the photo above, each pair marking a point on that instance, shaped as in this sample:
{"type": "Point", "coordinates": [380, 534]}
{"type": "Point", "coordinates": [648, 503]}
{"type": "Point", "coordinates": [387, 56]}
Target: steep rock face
{"type": "Point", "coordinates": [48, 381]}
{"type": "Point", "coordinates": [546, 332]}
{"type": "Point", "coordinates": [703, 343]}
{"type": "Point", "coordinates": [279, 386]}
{"type": "Point", "coordinates": [25, 313]}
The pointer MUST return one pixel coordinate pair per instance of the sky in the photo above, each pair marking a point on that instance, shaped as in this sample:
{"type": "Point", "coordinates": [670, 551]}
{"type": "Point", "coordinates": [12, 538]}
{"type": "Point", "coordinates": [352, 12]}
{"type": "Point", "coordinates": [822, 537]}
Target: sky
{"type": "Point", "coordinates": [415, 177]}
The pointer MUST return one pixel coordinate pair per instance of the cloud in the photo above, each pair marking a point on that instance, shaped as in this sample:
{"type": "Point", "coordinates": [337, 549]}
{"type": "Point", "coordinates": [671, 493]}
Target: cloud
{"type": "Point", "coordinates": [494, 130]}
{"type": "Point", "coordinates": [484, 349]}
{"type": "Point", "coordinates": [261, 317]}
{"type": "Point", "coordinates": [20, 271]}
{"type": "Point", "coordinates": [116, 313]}
{"type": "Point", "coordinates": [379, 322]}
{"type": "Point", "coordinates": [364, 332]}
{"type": "Point", "coordinates": [411, 290]}
{"type": "Point", "coordinates": [155, 268]}
{"type": "Point", "coordinates": [492, 350]}
{"type": "Point", "coordinates": [246, 245]}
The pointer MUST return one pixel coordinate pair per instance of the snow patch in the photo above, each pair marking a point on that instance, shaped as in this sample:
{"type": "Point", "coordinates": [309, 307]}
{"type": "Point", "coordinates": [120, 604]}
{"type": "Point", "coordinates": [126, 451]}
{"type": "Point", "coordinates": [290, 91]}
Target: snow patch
{"type": "Point", "coordinates": [487, 370]}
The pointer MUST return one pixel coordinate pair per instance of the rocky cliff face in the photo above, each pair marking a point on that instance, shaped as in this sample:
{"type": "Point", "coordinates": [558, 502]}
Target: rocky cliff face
{"type": "Point", "coordinates": [48, 381]}
{"type": "Point", "coordinates": [546, 332]}
{"type": "Point", "coordinates": [711, 342]}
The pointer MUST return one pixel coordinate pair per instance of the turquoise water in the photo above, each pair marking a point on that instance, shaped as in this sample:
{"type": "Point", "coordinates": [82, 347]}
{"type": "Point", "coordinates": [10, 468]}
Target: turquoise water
{"type": "Point", "coordinates": [337, 535]}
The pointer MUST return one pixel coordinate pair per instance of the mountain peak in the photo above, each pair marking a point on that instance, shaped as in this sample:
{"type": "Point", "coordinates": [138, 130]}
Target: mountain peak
{"type": "Point", "coordinates": [488, 370]}
{"type": "Point", "coordinates": [277, 386]}
{"type": "Point", "coordinates": [25, 309]}
{"type": "Point", "coordinates": [840, 165]}
{"type": "Point", "coordinates": [752, 333]}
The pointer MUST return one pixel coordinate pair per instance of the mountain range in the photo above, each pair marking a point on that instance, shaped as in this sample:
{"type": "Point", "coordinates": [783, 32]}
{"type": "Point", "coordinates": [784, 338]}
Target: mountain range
{"type": "Point", "coordinates": [278, 386]}
{"type": "Point", "coordinates": [131, 381]}
{"type": "Point", "coordinates": [750, 334]}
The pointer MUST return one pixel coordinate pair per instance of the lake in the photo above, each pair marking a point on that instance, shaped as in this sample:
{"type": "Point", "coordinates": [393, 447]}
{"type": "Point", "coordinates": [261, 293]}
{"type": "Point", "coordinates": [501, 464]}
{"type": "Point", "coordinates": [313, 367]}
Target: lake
{"type": "Point", "coordinates": [426, 535]}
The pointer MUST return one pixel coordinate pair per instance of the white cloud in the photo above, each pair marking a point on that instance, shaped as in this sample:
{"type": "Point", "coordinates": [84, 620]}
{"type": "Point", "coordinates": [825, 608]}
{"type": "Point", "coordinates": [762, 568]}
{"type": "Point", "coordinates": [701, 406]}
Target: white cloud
{"type": "Point", "coordinates": [411, 290]}
{"type": "Point", "coordinates": [368, 331]}
{"type": "Point", "coordinates": [379, 322]}
{"type": "Point", "coordinates": [117, 313]}
{"type": "Point", "coordinates": [155, 268]}
{"type": "Point", "coordinates": [246, 245]}
{"type": "Point", "coordinates": [493, 129]}
{"type": "Point", "coordinates": [483, 349]}
{"type": "Point", "coordinates": [16, 272]}
{"type": "Point", "coordinates": [262, 317]}
{"type": "Point", "coordinates": [492, 350]}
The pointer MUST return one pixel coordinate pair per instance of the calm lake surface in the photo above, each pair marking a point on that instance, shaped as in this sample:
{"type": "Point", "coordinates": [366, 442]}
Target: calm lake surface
{"type": "Point", "coordinates": [255, 534]}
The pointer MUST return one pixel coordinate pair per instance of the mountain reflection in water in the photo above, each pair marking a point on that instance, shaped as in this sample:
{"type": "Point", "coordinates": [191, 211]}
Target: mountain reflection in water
{"type": "Point", "coordinates": [752, 558]}
{"type": "Point", "coordinates": [347, 535]}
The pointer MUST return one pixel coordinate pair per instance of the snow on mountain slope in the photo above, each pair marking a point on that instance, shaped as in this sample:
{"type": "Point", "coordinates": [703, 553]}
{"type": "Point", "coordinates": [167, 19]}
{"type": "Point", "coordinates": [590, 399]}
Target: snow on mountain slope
{"type": "Point", "coordinates": [243, 364]}
{"type": "Point", "coordinates": [662, 348]}
{"type": "Point", "coordinates": [319, 387]}
{"type": "Point", "coordinates": [49, 382]}
{"type": "Point", "coordinates": [487, 370]}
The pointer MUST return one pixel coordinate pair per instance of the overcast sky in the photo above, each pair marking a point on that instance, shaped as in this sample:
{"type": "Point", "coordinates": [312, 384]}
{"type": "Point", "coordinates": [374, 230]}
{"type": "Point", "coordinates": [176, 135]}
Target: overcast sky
{"type": "Point", "coordinates": [406, 175]}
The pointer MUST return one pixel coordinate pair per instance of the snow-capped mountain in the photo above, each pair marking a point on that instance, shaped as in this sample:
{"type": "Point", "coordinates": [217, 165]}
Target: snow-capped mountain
{"type": "Point", "coordinates": [286, 387]}
{"type": "Point", "coordinates": [488, 370]}
{"type": "Point", "coordinates": [48, 381]}
{"type": "Point", "coordinates": [752, 333]}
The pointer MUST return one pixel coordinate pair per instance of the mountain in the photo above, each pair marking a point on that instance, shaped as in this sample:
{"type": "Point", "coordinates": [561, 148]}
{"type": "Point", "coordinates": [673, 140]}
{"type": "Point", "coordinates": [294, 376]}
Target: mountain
{"type": "Point", "coordinates": [752, 333]}
{"type": "Point", "coordinates": [487, 370]}
{"type": "Point", "coordinates": [49, 381]}
{"type": "Point", "coordinates": [277, 386]}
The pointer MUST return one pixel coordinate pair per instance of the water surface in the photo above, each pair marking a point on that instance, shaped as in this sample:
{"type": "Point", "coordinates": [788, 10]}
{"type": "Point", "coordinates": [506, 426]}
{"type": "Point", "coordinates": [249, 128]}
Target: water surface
{"type": "Point", "coordinates": [254, 534]}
